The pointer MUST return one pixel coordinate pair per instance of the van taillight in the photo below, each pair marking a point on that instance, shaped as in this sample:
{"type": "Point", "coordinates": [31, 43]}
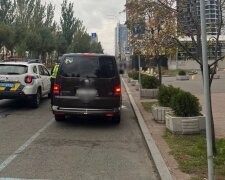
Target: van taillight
{"type": "Point", "coordinates": [28, 79]}
{"type": "Point", "coordinates": [56, 89]}
{"type": "Point", "coordinates": [117, 90]}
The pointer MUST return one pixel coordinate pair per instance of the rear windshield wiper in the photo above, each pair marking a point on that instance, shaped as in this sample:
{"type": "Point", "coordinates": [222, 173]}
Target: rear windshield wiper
{"type": "Point", "coordinates": [13, 73]}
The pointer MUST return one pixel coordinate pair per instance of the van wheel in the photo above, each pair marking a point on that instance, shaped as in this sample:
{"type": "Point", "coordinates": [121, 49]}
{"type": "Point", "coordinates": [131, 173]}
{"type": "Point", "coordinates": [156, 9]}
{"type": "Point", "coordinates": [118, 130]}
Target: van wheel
{"type": "Point", "coordinates": [116, 120]}
{"type": "Point", "coordinates": [36, 99]}
{"type": "Point", "coordinates": [59, 118]}
{"type": "Point", "coordinates": [49, 95]}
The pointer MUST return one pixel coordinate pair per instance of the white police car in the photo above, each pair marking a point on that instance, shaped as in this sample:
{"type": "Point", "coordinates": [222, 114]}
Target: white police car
{"type": "Point", "coordinates": [24, 79]}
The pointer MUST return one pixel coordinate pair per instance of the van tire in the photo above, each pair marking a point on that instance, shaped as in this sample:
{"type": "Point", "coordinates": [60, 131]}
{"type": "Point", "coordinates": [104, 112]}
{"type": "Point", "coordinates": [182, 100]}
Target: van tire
{"type": "Point", "coordinates": [116, 120]}
{"type": "Point", "coordinates": [59, 118]}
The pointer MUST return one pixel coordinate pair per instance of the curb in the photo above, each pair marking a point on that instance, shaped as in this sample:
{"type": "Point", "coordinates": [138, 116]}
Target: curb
{"type": "Point", "coordinates": [160, 164]}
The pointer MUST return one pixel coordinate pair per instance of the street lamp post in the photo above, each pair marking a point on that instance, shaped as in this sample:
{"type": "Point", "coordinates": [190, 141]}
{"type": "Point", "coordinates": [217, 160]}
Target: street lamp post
{"type": "Point", "coordinates": [206, 92]}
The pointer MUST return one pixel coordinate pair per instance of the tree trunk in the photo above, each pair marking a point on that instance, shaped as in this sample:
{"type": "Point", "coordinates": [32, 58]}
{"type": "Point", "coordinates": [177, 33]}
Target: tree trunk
{"type": "Point", "coordinates": [159, 69]}
{"type": "Point", "coordinates": [212, 127]}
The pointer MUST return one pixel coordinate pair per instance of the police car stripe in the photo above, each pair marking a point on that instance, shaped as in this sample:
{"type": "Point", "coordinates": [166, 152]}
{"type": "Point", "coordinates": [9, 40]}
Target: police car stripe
{"type": "Point", "coordinates": [2, 88]}
{"type": "Point", "coordinates": [17, 87]}
{"type": "Point", "coordinates": [20, 88]}
{"type": "Point", "coordinates": [7, 88]}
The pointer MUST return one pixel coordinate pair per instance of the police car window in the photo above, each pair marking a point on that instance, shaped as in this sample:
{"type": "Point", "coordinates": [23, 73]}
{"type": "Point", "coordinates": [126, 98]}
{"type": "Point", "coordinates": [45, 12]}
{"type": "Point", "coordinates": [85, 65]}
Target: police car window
{"type": "Point", "coordinates": [13, 69]}
{"type": "Point", "coordinates": [45, 71]}
{"type": "Point", "coordinates": [87, 66]}
{"type": "Point", "coordinates": [35, 69]}
{"type": "Point", "coordinates": [41, 71]}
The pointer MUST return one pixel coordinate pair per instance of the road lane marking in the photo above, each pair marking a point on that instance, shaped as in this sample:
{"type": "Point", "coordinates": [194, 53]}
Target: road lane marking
{"type": "Point", "coordinates": [20, 179]}
{"type": "Point", "coordinates": [24, 146]}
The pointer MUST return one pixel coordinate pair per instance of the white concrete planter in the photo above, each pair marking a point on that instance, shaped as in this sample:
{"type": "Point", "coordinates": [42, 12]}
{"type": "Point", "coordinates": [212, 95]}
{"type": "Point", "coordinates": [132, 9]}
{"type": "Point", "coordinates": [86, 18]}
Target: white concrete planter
{"type": "Point", "coordinates": [149, 93]}
{"type": "Point", "coordinates": [133, 82]}
{"type": "Point", "coordinates": [216, 76]}
{"type": "Point", "coordinates": [182, 78]}
{"type": "Point", "coordinates": [125, 75]}
{"type": "Point", "coordinates": [137, 86]}
{"type": "Point", "coordinates": [128, 80]}
{"type": "Point", "coordinates": [159, 113]}
{"type": "Point", "coordinates": [185, 125]}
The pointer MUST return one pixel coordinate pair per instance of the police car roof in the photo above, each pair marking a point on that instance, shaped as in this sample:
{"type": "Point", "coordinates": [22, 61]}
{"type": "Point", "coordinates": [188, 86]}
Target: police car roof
{"type": "Point", "coordinates": [22, 62]}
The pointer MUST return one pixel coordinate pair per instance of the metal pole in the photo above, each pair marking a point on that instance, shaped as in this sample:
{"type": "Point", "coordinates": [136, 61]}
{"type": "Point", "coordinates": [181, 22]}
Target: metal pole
{"type": "Point", "coordinates": [206, 93]}
{"type": "Point", "coordinates": [176, 58]}
{"type": "Point", "coordinates": [139, 67]}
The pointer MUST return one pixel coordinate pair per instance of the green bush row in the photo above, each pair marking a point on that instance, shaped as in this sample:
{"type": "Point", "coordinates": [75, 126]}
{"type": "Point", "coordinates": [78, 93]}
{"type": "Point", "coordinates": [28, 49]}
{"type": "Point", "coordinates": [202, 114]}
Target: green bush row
{"type": "Point", "coordinates": [182, 73]}
{"type": "Point", "coordinates": [134, 75]}
{"type": "Point", "coordinates": [182, 103]}
{"type": "Point", "coordinates": [149, 82]}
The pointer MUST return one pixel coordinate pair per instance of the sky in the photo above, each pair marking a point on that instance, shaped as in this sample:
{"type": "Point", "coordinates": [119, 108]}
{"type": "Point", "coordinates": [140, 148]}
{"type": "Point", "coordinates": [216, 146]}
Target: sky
{"type": "Point", "coordinates": [99, 16]}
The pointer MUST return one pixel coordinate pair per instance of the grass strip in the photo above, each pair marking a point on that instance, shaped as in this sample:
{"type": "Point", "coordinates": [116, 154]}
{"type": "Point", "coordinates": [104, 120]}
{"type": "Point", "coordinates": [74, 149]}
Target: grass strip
{"type": "Point", "coordinates": [190, 153]}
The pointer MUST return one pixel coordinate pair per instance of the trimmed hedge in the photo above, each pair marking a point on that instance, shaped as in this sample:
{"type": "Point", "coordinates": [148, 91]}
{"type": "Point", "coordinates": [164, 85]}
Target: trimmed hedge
{"type": "Point", "coordinates": [149, 82]}
{"type": "Point", "coordinates": [134, 75]}
{"type": "Point", "coordinates": [182, 73]}
{"type": "Point", "coordinates": [182, 103]}
{"type": "Point", "coordinates": [185, 104]}
{"type": "Point", "coordinates": [130, 74]}
{"type": "Point", "coordinates": [165, 95]}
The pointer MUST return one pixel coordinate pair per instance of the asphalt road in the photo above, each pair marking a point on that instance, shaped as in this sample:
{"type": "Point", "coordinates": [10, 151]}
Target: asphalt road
{"type": "Point", "coordinates": [195, 84]}
{"type": "Point", "coordinates": [34, 146]}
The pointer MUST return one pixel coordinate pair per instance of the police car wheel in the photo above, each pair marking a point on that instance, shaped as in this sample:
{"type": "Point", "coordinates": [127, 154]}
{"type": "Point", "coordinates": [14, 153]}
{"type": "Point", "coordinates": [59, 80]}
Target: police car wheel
{"type": "Point", "coordinates": [36, 99]}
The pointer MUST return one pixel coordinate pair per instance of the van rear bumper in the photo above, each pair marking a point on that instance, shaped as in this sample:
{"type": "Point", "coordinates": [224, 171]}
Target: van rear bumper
{"type": "Point", "coordinates": [85, 111]}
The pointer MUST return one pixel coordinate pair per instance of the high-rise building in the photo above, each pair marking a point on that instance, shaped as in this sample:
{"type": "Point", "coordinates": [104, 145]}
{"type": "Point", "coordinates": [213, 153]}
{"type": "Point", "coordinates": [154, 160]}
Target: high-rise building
{"type": "Point", "coordinates": [121, 41]}
{"type": "Point", "coordinates": [189, 15]}
{"type": "Point", "coordinates": [188, 20]}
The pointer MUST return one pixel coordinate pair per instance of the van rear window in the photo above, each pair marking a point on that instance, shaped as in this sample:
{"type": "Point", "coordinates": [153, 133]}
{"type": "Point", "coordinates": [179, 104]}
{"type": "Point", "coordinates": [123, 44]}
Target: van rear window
{"type": "Point", "coordinates": [13, 69]}
{"type": "Point", "coordinates": [88, 66]}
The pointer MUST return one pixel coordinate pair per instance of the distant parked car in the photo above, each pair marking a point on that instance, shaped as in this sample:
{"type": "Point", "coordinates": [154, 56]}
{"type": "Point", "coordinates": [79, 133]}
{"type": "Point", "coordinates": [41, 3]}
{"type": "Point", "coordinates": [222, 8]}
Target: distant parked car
{"type": "Point", "coordinates": [87, 84]}
{"type": "Point", "coordinates": [20, 79]}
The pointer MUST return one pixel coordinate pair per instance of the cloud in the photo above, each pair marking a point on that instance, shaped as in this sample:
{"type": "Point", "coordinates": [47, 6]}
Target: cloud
{"type": "Point", "coordinates": [100, 16]}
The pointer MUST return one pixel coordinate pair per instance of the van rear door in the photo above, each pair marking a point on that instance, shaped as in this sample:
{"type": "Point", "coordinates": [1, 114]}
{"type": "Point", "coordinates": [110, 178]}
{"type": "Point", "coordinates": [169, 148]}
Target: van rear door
{"type": "Point", "coordinates": [88, 82]}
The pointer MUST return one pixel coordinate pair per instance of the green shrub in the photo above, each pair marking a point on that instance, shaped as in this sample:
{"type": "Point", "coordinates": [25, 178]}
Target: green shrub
{"type": "Point", "coordinates": [165, 95]}
{"type": "Point", "coordinates": [135, 75]}
{"type": "Point", "coordinates": [181, 73]}
{"type": "Point", "coordinates": [185, 104]}
{"type": "Point", "coordinates": [149, 82]}
{"type": "Point", "coordinates": [130, 74]}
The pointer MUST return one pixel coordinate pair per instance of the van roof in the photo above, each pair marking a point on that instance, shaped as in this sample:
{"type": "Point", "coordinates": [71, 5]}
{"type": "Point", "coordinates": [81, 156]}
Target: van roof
{"type": "Point", "coordinates": [87, 54]}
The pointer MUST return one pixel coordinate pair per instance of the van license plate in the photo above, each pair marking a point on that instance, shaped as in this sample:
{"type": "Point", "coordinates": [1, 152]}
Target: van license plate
{"type": "Point", "coordinates": [86, 92]}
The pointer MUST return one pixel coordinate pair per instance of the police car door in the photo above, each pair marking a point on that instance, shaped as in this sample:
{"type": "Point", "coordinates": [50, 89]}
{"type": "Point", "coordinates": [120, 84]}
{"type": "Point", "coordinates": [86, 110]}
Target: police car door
{"type": "Point", "coordinates": [45, 79]}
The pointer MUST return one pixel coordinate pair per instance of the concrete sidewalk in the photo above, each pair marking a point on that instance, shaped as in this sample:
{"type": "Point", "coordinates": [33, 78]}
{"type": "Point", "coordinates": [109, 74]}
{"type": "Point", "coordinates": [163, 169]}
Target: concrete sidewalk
{"type": "Point", "coordinates": [218, 106]}
{"type": "Point", "coordinates": [155, 131]}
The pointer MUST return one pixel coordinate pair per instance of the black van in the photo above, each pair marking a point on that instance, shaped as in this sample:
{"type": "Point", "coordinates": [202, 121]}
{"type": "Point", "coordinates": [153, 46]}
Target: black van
{"type": "Point", "coordinates": [87, 84]}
